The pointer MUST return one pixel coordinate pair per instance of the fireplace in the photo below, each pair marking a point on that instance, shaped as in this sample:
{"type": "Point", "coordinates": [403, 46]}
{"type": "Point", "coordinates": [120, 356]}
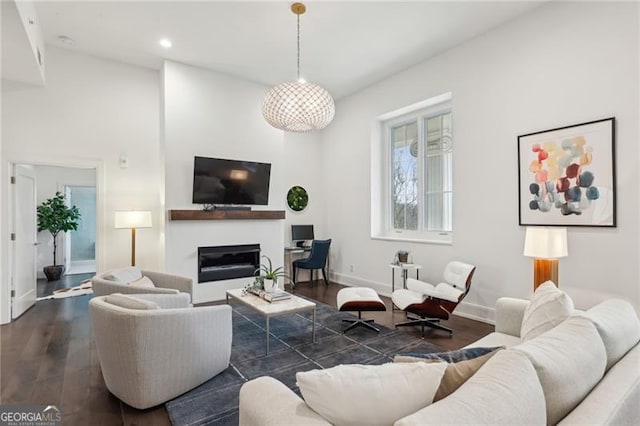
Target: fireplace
{"type": "Point", "coordinates": [227, 262]}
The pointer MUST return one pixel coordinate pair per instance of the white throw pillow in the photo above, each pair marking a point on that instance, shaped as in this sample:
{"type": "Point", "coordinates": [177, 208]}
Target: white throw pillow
{"type": "Point", "coordinates": [549, 307]}
{"type": "Point", "coordinates": [129, 302]}
{"type": "Point", "coordinates": [143, 282]}
{"type": "Point", "coordinates": [125, 275]}
{"type": "Point", "coordinates": [569, 360]}
{"type": "Point", "coordinates": [617, 323]}
{"type": "Point", "coordinates": [359, 395]}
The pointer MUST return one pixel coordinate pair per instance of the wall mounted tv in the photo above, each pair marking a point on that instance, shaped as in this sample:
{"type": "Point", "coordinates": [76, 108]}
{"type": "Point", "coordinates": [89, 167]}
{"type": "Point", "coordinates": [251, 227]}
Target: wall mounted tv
{"type": "Point", "coordinates": [230, 182]}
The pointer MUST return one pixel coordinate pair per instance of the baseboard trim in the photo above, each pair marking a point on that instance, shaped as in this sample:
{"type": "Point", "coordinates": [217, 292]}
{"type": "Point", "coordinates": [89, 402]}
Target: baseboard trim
{"type": "Point", "coordinates": [382, 289]}
{"type": "Point", "coordinates": [464, 309]}
{"type": "Point", "coordinates": [476, 312]}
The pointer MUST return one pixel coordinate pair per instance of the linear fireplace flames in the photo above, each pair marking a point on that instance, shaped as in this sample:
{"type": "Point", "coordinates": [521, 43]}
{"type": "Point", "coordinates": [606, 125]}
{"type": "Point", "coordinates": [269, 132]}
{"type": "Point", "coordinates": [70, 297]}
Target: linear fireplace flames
{"type": "Point", "coordinates": [227, 262]}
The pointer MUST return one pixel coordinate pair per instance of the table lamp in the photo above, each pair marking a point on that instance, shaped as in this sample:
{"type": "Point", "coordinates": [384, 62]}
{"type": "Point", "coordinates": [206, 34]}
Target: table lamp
{"type": "Point", "coordinates": [545, 245]}
{"type": "Point", "coordinates": [133, 220]}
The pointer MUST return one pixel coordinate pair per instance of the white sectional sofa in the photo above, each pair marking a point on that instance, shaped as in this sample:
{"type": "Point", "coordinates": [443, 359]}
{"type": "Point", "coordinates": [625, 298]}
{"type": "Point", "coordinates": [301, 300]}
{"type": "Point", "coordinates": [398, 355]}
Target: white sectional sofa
{"type": "Point", "coordinates": [584, 371]}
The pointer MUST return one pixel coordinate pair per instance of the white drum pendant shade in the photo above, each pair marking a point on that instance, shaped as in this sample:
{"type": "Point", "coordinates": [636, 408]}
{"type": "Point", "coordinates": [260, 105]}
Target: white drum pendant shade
{"type": "Point", "coordinates": [298, 107]}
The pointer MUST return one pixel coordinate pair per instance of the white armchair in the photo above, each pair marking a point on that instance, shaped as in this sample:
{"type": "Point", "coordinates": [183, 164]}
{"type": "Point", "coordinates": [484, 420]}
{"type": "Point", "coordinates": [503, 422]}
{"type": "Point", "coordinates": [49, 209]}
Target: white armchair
{"type": "Point", "coordinates": [154, 347]}
{"type": "Point", "coordinates": [124, 281]}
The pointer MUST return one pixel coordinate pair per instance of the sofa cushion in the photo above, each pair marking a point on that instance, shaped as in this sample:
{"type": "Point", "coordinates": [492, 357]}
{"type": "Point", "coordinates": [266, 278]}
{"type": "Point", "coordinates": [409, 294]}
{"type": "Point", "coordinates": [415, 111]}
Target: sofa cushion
{"type": "Point", "coordinates": [441, 291]}
{"type": "Point", "coordinates": [462, 364]}
{"type": "Point", "coordinates": [143, 282]}
{"type": "Point", "coordinates": [549, 307]}
{"type": "Point", "coordinates": [614, 400]}
{"type": "Point", "coordinates": [124, 275]}
{"type": "Point", "coordinates": [130, 302]}
{"type": "Point", "coordinates": [505, 390]}
{"type": "Point", "coordinates": [458, 373]}
{"type": "Point", "coordinates": [570, 360]}
{"type": "Point", "coordinates": [370, 394]}
{"type": "Point", "coordinates": [617, 323]}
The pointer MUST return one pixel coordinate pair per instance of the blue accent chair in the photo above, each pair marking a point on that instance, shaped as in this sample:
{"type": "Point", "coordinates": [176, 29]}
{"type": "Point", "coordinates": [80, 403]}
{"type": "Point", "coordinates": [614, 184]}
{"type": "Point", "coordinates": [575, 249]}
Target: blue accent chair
{"type": "Point", "coordinates": [316, 260]}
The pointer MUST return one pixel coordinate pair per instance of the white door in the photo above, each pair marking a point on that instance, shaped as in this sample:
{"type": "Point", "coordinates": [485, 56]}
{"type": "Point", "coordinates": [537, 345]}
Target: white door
{"type": "Point", "coordinates": [25, 229]}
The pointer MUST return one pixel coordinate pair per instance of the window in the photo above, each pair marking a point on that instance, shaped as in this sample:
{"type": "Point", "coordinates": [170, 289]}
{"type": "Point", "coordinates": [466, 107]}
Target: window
{"type": "Point", "coordinates": [418, 162]}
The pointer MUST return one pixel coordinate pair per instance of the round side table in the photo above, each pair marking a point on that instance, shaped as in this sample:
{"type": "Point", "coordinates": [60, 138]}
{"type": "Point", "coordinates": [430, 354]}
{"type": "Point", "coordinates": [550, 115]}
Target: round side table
{"type": "Point", "coordinates": [404, 268]}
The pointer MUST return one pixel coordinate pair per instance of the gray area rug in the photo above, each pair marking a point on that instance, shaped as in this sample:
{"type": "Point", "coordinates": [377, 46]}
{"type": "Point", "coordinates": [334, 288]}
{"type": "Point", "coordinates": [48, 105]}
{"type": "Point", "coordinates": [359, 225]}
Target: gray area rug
{"type": "Point", "coordinates": [290, 350]}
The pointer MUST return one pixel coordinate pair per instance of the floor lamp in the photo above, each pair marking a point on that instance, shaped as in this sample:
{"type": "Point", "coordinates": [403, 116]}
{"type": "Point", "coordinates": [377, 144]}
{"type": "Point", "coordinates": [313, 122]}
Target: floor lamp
{"type": "Point", "coordinates": [133, 220]}
{"type": "Point", "coordinates": [545, 245]}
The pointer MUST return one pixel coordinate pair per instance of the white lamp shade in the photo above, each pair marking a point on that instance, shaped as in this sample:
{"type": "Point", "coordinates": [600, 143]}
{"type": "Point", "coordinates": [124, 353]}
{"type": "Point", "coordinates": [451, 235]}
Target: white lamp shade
{"type": "Point", "coordinates": [133, 219]}
{"type": "Point", "coordinates": [546, 243]}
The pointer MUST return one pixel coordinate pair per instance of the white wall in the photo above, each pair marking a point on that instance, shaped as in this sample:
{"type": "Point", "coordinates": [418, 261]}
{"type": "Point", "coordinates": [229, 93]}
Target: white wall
{"type": "Point", "coordinates": [50, 180]}
{"type": "Point", "coordinates": [547, 69]}
{"type": "Point", "coordinates": [562, 64]}
{"type": "Point", "coordinates": [302, 152]}
{"type": "Point", "coordinates": [90, 112]}
{"type": "Point", "coordinates": [214, 115]}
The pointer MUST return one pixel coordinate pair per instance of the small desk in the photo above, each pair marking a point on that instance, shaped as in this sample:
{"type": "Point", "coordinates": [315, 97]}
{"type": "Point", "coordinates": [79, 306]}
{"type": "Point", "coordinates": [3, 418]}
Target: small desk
{"type": "Point", "coordinates": [289, 254]}
{"type": "Point", "coordinates": [267, 309]}
{"type": "Point", "coordinates": [404, 268]}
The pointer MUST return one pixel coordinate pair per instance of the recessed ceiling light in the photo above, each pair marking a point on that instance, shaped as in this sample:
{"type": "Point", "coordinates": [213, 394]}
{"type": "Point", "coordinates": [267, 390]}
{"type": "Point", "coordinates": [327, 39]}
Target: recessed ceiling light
{"type": "Point", "coordinates": [166, 43]}
{"type": "Point", "coordinates": [66, 40]}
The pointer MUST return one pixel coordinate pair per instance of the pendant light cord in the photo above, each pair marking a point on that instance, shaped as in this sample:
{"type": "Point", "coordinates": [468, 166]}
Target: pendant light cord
{"type": "Point", "coordinates": [298, 40]}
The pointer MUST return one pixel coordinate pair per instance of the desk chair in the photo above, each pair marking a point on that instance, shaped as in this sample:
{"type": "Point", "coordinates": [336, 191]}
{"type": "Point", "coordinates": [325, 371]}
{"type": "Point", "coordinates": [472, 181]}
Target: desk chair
{"type": "Point", "coordinates": [316, 260]}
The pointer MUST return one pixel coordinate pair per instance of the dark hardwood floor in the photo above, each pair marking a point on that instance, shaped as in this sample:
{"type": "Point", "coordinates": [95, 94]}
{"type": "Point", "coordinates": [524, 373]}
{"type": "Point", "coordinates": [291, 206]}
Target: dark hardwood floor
{"type": "Point", "coordinates": [46, 288]}
{"type": "Point", "coordinates": [48, 357]}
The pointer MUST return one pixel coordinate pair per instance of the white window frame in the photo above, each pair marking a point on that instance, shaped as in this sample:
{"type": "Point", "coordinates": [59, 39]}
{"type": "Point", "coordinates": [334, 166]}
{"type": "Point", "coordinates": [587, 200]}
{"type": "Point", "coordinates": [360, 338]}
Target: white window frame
{"type": "Point", "coordinates": [385, 228]}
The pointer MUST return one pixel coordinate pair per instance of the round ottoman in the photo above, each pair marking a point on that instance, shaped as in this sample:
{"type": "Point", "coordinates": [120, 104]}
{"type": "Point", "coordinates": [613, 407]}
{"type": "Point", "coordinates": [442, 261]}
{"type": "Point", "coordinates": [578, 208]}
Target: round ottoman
{"type": "Point", "coordinates": [359, 299]}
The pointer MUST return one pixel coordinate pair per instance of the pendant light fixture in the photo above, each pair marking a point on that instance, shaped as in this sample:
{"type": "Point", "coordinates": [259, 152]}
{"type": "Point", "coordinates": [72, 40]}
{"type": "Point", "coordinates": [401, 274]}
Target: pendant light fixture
{"type": "Point", "coordinates": [298, 106]}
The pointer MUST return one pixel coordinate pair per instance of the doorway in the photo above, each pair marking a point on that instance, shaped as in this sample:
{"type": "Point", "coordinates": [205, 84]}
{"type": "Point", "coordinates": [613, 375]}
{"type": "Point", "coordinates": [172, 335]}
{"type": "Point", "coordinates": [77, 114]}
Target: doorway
{"type": "Point", "coordinates": [76, 250]}
{"type": "Point", "coordinates": [25, 266]}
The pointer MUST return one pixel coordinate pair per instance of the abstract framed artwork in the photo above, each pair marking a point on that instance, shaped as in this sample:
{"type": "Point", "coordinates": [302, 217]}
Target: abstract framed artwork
{"type": "Point", "coordinates": [566, 176]}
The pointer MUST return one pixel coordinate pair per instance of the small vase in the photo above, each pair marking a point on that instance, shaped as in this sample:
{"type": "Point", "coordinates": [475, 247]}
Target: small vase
{"type": "Point", "coordinates": [270, 285]}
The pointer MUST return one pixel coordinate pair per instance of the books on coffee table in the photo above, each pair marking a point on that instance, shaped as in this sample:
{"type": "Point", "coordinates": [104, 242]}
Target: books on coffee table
{"type": "Point", "coordinates": [276, 296]}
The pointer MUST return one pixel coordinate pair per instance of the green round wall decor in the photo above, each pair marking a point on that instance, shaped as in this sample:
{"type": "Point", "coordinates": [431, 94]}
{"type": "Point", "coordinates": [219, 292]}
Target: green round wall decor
{"type": "Point", "coordinates": [297, 198]}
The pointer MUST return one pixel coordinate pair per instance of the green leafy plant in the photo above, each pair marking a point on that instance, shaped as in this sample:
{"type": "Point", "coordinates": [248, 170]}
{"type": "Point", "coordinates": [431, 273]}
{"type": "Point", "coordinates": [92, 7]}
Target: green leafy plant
{"type": "Point", "coordinates": [267, 272]}
{"type": "Point", "coordinates": [402, 256]}
{"type": "Point", "coordinates": [297, 198]}
{"type": "Point", "coordinates": [55, 216]}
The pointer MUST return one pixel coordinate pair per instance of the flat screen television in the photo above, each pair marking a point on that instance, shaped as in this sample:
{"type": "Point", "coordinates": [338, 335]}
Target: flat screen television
{"type": "Point", "coordinates": [230, 182]}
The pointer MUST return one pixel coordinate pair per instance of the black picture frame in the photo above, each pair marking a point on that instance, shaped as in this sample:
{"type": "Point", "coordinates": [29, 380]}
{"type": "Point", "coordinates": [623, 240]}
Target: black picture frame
{"type": "Point", "coordinates": [567, 176]}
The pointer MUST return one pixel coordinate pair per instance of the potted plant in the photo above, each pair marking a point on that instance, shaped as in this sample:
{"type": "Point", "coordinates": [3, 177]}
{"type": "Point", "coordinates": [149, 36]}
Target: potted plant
{"type": "Point", "coordinates": [55, 216]}
{"type": "Point", "coordinates": [270, 276]}
{"type": "Point", "coordinates": [402, 256]}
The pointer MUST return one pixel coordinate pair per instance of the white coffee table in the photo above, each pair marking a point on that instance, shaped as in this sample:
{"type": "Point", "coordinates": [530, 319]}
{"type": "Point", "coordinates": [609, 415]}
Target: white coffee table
{"type": "Point", "coordinates": [275, 309]}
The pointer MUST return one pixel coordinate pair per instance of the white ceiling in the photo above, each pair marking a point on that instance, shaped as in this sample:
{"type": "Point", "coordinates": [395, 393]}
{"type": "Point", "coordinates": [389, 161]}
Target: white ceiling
{"type": "Point", "coordinates": [345, 46]}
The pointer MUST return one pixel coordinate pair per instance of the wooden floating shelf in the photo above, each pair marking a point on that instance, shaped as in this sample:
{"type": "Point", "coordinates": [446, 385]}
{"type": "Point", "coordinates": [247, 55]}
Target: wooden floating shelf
{"type": "Point", "coordinates": [226, 215]}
